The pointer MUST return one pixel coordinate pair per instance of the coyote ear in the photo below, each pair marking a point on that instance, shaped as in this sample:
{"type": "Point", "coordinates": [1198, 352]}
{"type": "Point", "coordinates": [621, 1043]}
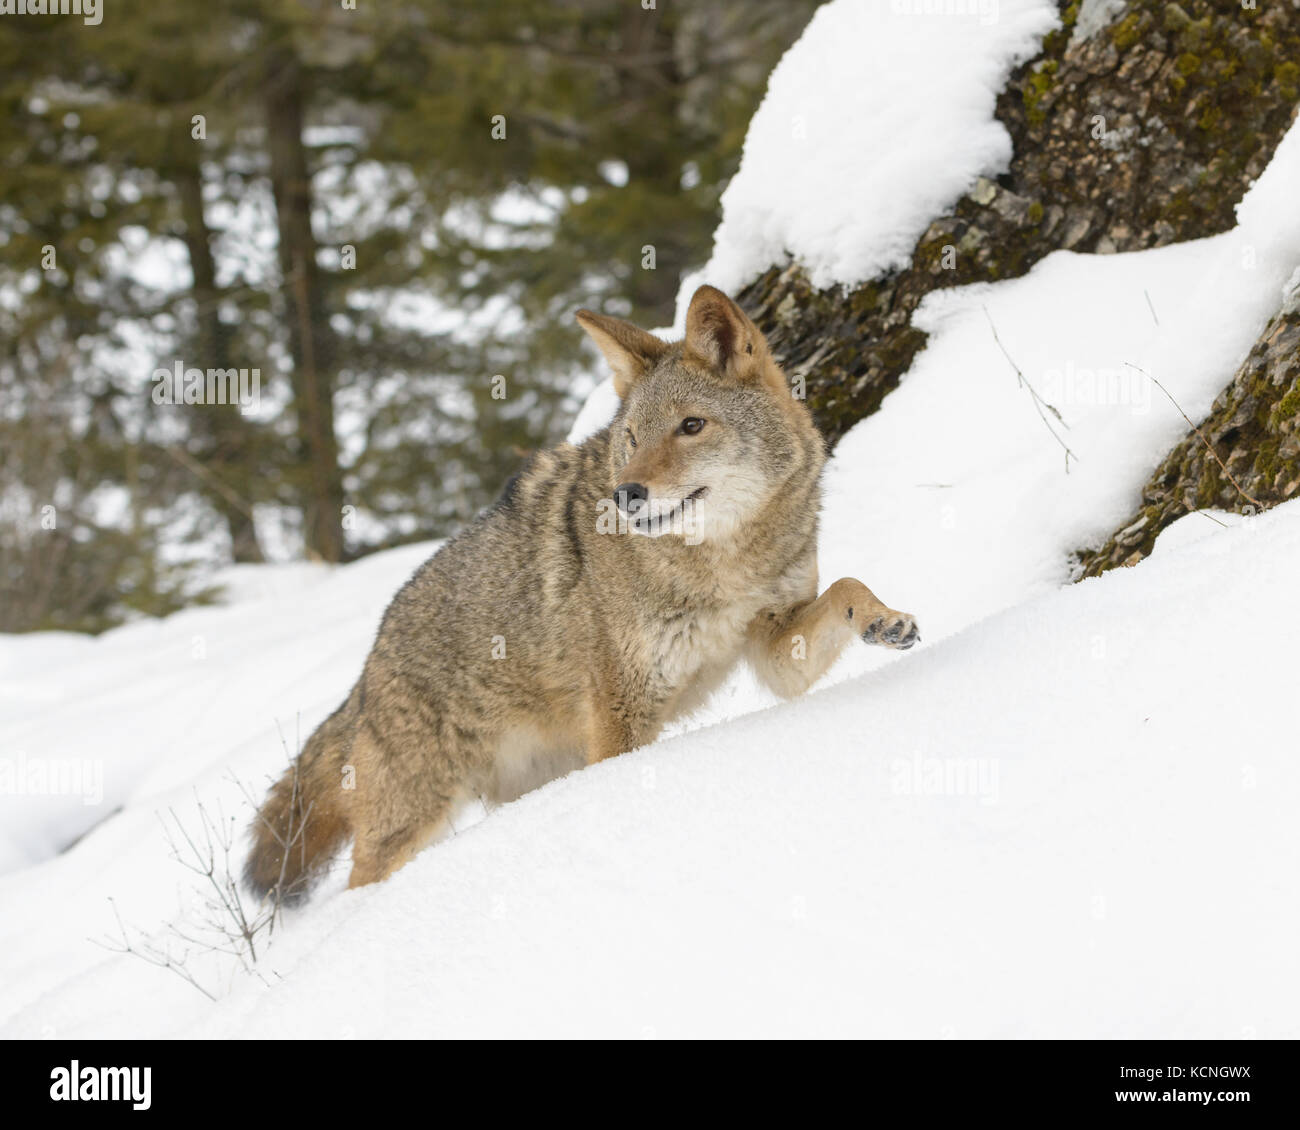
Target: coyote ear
{"type": "Point", "coordinates": [629, 350]}
{"type": "Point", "coordinates": [719, 333]}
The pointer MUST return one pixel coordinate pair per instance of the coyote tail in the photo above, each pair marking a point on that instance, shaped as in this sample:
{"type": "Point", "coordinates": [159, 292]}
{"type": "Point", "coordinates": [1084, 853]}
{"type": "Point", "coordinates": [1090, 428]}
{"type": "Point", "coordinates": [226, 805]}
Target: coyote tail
{"type": "Point", "coordinates": [300, 826]}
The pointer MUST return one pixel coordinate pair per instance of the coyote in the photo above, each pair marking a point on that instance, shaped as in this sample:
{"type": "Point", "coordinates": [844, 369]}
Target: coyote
{"type": "Point", "coordinates": [610, 589]}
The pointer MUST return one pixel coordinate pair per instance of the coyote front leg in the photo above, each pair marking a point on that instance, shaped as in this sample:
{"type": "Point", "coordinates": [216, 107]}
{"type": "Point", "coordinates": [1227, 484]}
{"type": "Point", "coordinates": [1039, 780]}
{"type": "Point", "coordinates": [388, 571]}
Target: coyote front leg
{"type": "Point", "coordinates": [620, 718]}
{"type": "Point", "coordinates": [791, 649]}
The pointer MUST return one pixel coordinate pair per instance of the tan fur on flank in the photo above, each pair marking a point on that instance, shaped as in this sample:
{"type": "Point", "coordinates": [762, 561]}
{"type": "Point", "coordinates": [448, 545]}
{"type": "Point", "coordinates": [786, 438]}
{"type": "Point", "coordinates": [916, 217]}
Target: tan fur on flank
{"type": "Point", "coordinates": [553, 630]}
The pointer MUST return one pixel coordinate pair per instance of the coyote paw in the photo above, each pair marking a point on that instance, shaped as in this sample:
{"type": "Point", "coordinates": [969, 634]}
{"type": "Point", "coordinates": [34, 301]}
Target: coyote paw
{"type": "Point", "coordinates": [893, 629]}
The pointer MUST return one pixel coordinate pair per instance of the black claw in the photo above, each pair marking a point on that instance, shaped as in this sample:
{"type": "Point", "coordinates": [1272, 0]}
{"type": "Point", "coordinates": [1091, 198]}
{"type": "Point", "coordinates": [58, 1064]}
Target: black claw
{"type": "Point", "coordinates": [902, 634]}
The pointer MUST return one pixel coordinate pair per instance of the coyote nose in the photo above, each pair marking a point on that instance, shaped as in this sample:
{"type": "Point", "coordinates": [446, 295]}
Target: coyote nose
{"type": "Point", "coordinates": [630, 496]}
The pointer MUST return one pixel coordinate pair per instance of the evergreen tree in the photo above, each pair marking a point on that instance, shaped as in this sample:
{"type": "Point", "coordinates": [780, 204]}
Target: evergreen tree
{"type": "Point", "coordinates": [391, 210]}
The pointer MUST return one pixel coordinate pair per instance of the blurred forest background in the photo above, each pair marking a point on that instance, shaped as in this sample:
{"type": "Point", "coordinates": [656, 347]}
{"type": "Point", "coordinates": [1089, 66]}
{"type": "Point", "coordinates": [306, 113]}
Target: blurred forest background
{"type": "Point", "coordinates": [383, 208]}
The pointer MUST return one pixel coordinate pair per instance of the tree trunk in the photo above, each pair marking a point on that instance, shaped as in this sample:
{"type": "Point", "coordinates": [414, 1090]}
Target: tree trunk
{"type": "Point", "coordinates": [310, 338]}
{"type": "Point", "coordinates": [220, 424]}
{"type": "Point", "coordinates": [653, 87]}
{"type": "Point", "coordinates": [1145, 133]}
{"type": "Point", "coordinates": [1254, 433]}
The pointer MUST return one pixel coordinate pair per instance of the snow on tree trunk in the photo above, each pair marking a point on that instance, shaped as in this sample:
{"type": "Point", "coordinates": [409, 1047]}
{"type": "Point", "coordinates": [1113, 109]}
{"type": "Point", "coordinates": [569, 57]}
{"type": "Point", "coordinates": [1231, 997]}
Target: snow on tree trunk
{"type": "Point", "coordinates": [1142, 128]}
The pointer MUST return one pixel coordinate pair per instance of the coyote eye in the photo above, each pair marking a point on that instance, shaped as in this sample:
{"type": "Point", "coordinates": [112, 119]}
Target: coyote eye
{"type": "Point", "coordinates": [691, 425]}
{"type": "Point", "coordinates": [631, 439]}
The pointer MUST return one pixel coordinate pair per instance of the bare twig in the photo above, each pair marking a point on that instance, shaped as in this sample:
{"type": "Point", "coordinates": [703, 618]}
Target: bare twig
{"type": "Point", "coordinates": [147, 951]}
{"type": "Point", "coordinates": [207, 854]}
{"type": "Point", "coordinates": [1041, 406]}
{"type": "Point", "coordinates": [1201, 436]}
{"type": "Point", "coordinates": [225, 923]}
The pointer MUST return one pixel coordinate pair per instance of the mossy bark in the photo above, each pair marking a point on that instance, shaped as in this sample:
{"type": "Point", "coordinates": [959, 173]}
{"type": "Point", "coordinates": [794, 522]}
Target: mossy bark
{"type": "Point", "coordinates": [1253, 428]}
{"type": "Point", "coordinates": [1145, 133]}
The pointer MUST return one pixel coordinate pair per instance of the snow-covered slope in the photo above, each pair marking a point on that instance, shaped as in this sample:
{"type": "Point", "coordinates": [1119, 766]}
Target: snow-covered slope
{"type": "Point", "coordinates": [1077, 820]}
{"type": "Point", "coordinates": [1074, 819]}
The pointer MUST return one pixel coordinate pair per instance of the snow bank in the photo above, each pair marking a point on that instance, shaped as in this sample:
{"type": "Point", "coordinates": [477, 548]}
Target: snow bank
{"type": "Point", "coordinates": [1066, 823]}
{"type": "Point", "coordinates": [1073, 820]}
{"type": "Point", "coordinates": [877, 120]}
{"type": "Point", "coordinates": [134, 714]}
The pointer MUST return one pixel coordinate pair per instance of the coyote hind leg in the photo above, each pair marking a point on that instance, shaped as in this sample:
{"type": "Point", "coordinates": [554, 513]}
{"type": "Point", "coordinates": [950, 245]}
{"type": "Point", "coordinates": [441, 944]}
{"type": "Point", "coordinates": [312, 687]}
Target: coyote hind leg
{"type": "Point", "coordinates": [404, 799]}
{"type": "Point", "coordinates": [374, 859]}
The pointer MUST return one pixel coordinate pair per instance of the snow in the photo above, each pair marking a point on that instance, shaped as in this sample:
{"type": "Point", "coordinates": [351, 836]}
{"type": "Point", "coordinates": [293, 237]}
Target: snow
{"type": "Point", "coordinates": [1061, 822]}
{"type": "Point", "coordinates": [747, 880]}
{"type": "Point", "coordinates": [1093, 16]}
{"type": "Point", "coordinates": [597, 411]}
{"type": "Point", "coordinates": [1070, 812]}
{"type": "Point", "coordinates": [875, 122]}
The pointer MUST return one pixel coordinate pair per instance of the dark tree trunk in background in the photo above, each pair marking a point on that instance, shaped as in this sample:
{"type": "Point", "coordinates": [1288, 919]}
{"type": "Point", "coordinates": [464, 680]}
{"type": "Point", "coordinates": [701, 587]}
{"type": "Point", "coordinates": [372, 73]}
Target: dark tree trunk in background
{"type": "Point", "coordinates": [220, 426]}
{"type": "Point", "coordinates": [653, 84]}
{"type": "Point", "coordinates": [1192, 99]}
{"type": "Point", "coordinates": [310, 338]}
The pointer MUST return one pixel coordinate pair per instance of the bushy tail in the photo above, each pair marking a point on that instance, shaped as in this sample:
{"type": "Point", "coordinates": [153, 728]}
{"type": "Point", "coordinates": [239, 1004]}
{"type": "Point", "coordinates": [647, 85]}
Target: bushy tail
{"type": "Point", "coordinates": [300, 825]}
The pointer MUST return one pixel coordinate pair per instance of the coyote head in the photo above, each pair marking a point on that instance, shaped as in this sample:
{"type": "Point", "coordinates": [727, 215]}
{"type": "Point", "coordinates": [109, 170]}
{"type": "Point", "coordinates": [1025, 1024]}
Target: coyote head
{"type": "Point", "coordinates": [708, 430]}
